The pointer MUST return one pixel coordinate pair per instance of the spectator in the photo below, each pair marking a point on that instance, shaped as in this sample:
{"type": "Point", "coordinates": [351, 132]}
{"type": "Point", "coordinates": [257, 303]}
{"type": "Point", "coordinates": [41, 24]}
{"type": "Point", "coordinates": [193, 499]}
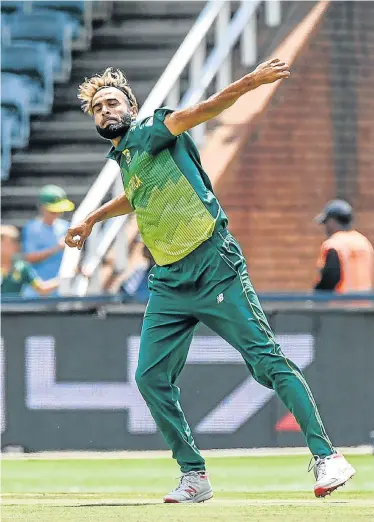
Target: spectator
{"type": "Point", "coordinates": [43, 237]}
{"type": "Point", "coordinates": [346, 260]}
{"type": "Point", "coordinates": [108, 272]}
{"type": "Point", "coordinates": [134, 284]}
{"type": "Point", "coordinates": [16, 273]}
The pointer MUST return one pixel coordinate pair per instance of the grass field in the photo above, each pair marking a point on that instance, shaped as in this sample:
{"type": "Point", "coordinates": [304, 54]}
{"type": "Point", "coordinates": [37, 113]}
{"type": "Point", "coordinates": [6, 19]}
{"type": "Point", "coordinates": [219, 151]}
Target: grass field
{"type": "Point", "coordinates": [246, 488]}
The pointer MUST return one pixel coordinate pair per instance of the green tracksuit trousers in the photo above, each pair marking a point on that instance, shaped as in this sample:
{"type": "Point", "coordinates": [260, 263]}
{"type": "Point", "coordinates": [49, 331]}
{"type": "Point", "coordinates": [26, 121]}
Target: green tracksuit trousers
{"type": "Point", "coordinates": [211, 285]}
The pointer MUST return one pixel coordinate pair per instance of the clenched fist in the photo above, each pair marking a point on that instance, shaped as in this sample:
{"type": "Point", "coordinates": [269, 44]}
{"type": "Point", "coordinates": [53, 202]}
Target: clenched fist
{"type": "Point", "coordinates": [77, 235]}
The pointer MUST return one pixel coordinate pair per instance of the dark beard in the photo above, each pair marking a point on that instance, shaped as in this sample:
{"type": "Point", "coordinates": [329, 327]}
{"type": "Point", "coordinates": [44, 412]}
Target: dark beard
{"type": "Point", "coordinates": [115, 130]}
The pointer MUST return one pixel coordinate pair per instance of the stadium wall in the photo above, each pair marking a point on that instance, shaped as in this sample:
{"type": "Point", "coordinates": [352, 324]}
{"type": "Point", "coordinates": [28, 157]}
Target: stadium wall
{"type": "Point", "coordinates": [68, 383]}
{"type": "Point", "coordinates": [311, 142]}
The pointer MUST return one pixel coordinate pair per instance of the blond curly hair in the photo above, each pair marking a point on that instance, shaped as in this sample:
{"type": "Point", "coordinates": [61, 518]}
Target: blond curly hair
{"type": "Point", "coordinates": [111, 77]}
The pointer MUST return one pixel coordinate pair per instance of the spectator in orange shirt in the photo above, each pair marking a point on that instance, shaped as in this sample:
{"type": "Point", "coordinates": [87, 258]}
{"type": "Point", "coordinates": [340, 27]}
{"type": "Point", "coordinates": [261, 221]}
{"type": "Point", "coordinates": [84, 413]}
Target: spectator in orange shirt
{"type": "Point", "coordinates": [346, 260]}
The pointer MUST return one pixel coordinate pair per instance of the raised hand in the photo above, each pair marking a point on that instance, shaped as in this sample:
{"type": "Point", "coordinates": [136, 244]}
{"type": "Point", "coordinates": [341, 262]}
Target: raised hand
{"type": "Point", "coordinates": [271, 71]}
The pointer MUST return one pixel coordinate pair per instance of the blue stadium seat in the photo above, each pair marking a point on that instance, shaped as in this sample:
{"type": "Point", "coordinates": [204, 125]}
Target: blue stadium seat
{"type": "Point", "coordinates": [15, 109]}
{"type": "Point", "coordinates": [33, 63]}
{"type": "Point", "coordinates": [5, 29]}
{"type": "Point", "coordinates": [52, 28]}
{"type": "Point", "coordinates": [6, 148]}
{"type": "Point", "coordinates": [79, 13]}
{"type": "Point", "coordinates": [9, 6]}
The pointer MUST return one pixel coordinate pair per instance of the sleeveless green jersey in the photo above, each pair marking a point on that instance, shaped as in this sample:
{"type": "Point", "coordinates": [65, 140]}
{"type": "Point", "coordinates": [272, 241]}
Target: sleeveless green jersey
{"type": "Point", "coordinates": [176, 209]}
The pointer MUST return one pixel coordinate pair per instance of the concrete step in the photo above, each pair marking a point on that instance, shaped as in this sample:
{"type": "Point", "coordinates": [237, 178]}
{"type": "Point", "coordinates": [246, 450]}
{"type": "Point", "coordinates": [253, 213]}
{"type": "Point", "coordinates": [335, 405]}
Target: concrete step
{"type": "Point", "coordinates": [151, 9]}
{"type": "Point", "coordinates": [139, 64]}
{"type": "Point", "coordinates": [73, 134]}
{"type": "Point", "coordinates": [144, 34]}
{"type": "Point", "coordinates": [65, 180]}
{"type": "Point", "coordinates": [18, 217]}
{"type": "Point", "coordinates": [27, 192]}
{"type": "Point", "coordinates": [58, 164]}
{"type": "Point", "coordinates": [16, 200]}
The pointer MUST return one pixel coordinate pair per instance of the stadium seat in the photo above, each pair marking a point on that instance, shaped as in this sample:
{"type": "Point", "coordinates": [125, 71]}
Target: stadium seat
{"type": "Point", "coordinates": [10, 6]}
{"type": "Point", "coordinates": [52, 28]}
{"type": "Point", "coordinates": [6, 148]}
{"type": "Point", "coordinates": [33, 63]}
{"type": "Point", "coordinates": [15, 109]}
{"type": "Point", "coordinates": [5, 29]}
{"type": "Point", "coordinates": [79, 13]}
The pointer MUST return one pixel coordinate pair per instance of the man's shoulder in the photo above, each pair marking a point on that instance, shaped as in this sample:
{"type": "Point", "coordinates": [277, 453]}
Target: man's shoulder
{"type": "Point", "coordinates": [148, 122]}
{"type": "Point", "coordinates": [330, 243]}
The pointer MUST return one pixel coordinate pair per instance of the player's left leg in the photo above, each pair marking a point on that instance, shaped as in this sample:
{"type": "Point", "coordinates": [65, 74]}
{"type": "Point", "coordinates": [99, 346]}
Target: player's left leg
{"type": "Point", "coordinates": [238, 317]}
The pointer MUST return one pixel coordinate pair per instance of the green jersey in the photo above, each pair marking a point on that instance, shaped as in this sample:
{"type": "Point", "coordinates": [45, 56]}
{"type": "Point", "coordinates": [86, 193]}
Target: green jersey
{"type": "Point", "coordinates": [21, 274]}
{"type": "Point", "coordinates": [176, 209]}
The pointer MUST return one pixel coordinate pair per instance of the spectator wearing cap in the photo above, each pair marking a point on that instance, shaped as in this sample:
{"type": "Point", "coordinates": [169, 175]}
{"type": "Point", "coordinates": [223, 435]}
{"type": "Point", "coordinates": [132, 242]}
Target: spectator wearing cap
{"type": "Point", "coordinates": [43, 237]}
{"type": "Point", "coordinates": [15, 272]}
{"type": "Point", "coordinates": [346, 260]}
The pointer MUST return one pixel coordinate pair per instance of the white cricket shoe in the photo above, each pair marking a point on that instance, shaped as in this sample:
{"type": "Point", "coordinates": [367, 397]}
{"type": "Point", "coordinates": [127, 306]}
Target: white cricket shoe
{"type": "Point", "coordinates": [194, 486]}
{"type": "Point", "coordinates": [331, 472]}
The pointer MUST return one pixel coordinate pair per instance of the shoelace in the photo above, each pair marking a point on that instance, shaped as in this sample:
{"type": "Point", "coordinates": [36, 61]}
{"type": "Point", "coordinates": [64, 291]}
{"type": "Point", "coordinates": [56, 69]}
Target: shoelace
{"type": "Point", "coordinates": [318, 465]}
{"type": "Point", "coordinates": [186, 479]}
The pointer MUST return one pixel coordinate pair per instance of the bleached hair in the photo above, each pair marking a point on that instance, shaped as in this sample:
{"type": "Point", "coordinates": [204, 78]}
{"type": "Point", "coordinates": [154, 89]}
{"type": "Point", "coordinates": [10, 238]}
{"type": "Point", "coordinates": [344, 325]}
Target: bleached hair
{"type": "Point", "coordinates": [111, 77]}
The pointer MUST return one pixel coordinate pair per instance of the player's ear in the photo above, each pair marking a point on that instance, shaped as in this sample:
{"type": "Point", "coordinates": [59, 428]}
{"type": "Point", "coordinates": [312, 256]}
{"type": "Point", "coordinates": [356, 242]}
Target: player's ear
{"type": "Point", "coordinates": [133, 113]}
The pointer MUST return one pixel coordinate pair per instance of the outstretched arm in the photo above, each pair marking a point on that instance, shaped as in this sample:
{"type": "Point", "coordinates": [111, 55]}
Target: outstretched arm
{"type": "Point", "coordinates": [45, 287]}
{"type": "Point", "coordinates": [77, 235]}
{"type": "Point", "coordinates": [267, 72]}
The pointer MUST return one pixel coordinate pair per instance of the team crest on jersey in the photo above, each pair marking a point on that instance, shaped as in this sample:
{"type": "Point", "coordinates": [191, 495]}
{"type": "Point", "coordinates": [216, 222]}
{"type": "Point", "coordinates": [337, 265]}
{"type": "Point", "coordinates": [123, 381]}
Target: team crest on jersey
{"type": "Point", "coordinates": [132, 186]}
{"type": "Point", "coordinates": [127, 155]}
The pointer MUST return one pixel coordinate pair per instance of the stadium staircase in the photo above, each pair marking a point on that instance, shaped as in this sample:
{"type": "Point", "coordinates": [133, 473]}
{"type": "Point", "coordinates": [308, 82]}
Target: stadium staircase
{"type": "Point", "coordinates": [141, 38]}
{"type": "Point", "coordinates": [64, 148]}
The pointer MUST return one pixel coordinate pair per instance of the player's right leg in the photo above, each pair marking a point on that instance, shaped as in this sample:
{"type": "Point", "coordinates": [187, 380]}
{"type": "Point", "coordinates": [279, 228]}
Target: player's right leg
{"type": "Point", "coordinates": [165, 340]}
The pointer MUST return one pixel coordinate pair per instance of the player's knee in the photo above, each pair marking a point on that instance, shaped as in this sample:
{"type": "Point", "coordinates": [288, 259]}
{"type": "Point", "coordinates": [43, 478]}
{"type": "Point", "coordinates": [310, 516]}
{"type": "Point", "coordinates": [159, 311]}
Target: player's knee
{"type": "Point", "coordinates": [263, 371]}
{"type": "Point", "coordinates": [142, 380]}
{"type": "Point", "coordinates": [263, 378]}
{"type": "Point", "coordinates": [146, 380]}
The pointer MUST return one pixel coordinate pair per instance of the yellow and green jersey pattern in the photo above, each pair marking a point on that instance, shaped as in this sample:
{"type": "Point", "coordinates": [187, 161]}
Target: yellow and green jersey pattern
{"type": "Point", "coordinates": [172, 196]}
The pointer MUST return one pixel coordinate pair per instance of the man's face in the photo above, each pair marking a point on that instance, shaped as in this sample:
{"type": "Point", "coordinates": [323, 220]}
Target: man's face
{"type": "Point", "coordinates": [50, 217]}
{"type": "Point", "coordinates": [331, 226]}
{"type": "Point", "coordinates": [112, 113]}
{"type": "Point", "coordinates": [9, 247]}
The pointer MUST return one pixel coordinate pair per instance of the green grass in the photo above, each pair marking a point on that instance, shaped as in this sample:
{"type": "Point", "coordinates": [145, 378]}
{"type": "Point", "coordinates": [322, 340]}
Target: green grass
{"type": "Point", "coordinates": [246, 488]}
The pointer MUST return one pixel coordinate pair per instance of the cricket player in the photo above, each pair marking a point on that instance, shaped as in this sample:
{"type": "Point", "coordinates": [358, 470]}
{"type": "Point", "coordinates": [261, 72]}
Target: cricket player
{"type": "Point", "coordinates": [200, 273]}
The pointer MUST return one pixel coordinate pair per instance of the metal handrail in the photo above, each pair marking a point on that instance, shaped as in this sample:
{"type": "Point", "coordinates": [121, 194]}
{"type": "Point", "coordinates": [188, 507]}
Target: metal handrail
{"type": "Point", "coordinates": [220, 53]}
{"type": "Point", "coordinates": [181, 58]}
